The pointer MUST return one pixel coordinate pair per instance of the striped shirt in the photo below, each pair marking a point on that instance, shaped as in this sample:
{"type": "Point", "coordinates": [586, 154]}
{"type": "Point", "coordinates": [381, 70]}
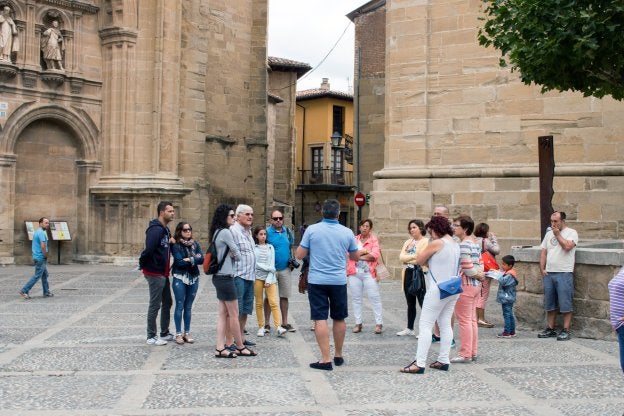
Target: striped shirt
{"type": "Point", "coordinates": [616, 299]}
{"type": "Point", "coordinates": [470, 262]}
{"type": "Point", "coordinates": [245, 266]}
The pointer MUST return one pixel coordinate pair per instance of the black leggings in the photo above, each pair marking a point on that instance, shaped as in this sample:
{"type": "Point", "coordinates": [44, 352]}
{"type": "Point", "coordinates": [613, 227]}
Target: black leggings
{"type": "Point", "coordinates": [411, 301]}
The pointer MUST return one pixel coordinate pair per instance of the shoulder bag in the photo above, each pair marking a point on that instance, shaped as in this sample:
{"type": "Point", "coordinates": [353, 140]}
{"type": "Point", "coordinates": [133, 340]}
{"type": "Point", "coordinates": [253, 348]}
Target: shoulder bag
{"type": "Point", "coordinates": [381, 270]}
{"type": "Point", "coordinates": [450, 287]}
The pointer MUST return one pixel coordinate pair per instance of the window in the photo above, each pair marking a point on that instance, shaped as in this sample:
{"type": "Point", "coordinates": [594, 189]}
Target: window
{"type": "Point", "coordinates": [338, 120]}
{"type": "Point", "coordinates": [337, 164]}
{"type": "Point", "coordinates": [317, 162]}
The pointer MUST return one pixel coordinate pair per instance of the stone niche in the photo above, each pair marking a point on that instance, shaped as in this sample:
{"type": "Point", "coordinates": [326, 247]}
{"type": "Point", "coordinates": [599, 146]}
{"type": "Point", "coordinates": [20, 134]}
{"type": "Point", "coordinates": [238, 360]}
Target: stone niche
{"type": "Point", "coordinates": [596, 264]}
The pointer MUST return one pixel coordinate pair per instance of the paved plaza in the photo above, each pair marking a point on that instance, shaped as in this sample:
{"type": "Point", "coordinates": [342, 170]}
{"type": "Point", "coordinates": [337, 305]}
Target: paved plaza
{"type": "Point", "coordinates": [83, 352]}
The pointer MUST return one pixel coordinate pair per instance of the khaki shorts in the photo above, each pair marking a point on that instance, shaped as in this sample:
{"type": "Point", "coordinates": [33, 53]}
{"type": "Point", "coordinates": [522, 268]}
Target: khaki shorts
{"type": "Point", "coordinates": [284, 282]}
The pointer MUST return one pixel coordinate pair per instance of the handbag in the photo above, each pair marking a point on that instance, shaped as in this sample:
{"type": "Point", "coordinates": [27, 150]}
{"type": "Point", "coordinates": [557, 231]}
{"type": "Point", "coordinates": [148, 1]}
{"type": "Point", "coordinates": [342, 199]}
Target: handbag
{"type": "Point", "coordinates": [488, 261]}
{"type": "Point", "coordinates": [303, 281]}
{"type": "Point", "coordinates": [417, 283]}
{"type": "Point", "coordinates": [381, 270]}
{"type": "Point", "coordinates": [450, 287]}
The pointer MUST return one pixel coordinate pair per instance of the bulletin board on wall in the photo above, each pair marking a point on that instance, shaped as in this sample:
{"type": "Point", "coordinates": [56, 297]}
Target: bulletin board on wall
{"type": "Point", "coordinates": [59, 231]}
{"type": "Point", "coordinates": [31, 227]}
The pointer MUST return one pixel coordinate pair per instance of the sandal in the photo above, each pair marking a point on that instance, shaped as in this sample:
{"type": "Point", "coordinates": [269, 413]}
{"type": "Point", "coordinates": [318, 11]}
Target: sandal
{"type": "Point", "coordinates": [220, 353]}
{"type": "Point", "coordinates": [179, 339]}
{"type": "Point", "coordinates": [410, 370]}
{"type": "Point", "coordinates": [357, 328]}
{"type": "Point", "coordinates": [439, 366]}
{"type": "Point", "coordinates": [378, 329]}
{"type": "Point", "coordinates": [188, 338]}
{"type": "Point", "coordinates": [240, 352]}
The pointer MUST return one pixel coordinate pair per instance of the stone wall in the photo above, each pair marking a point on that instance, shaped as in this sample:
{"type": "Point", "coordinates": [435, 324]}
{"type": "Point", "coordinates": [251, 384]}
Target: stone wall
{"type": "Point", "coordinates": [594, 268]}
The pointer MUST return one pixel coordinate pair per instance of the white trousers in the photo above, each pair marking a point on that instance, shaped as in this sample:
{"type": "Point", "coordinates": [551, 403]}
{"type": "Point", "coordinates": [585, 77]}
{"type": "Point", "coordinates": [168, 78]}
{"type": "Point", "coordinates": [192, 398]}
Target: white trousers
{"type": "Point", "coordinates": [435, 309]}
{"type": "Point", "coordinates": [357, 283]}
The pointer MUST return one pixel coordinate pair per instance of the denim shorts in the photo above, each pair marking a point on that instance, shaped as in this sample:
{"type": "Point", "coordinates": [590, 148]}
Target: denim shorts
{"type": "Point", "coordinates": [328, 298]}
{"type": "Point", "coordinates": [558, 291]}
{"type": "Point", "coordinates": [245, 294]}
{"type": "Point", "coordinates": [224, 285]}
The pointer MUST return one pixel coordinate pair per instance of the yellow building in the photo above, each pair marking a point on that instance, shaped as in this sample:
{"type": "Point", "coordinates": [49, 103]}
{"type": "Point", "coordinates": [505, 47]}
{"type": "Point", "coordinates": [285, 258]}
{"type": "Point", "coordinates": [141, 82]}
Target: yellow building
{"type": "Point", "coordinates": [324, 169]}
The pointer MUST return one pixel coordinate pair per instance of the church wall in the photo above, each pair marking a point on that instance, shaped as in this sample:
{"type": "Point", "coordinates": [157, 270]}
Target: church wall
{"type": "Point", "coordinates": [462, 132]}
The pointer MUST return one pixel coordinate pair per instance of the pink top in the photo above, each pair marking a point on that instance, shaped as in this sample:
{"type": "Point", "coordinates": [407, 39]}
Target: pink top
{"type": "Point", "coordinates": [372, 246]}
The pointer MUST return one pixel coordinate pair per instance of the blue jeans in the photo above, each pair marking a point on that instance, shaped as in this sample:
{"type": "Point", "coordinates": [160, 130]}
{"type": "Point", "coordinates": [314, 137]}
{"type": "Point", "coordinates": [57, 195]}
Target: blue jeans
{"type": "Point", "coordinates": [184, 296]}
{"type": "Point", "coordinates": [41, 272]}
{"type": "Point", "coordinates": [620, 334]}
{"type": "Point", "coordinates": [508, 318]}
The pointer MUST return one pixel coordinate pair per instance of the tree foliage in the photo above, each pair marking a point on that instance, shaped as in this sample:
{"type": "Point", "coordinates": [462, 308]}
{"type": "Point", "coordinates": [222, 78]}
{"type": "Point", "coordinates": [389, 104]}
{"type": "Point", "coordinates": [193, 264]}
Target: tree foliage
{"type": "Point", "coordinates": [575, 45]}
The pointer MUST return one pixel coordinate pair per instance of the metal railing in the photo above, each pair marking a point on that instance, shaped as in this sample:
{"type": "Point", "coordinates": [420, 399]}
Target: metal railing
{"type": "Point", "coordinates": [324, 177]}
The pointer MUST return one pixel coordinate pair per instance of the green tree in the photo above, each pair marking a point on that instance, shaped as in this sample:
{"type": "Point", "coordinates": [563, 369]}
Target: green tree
{"type": "Point", "coordinates": [575, 45]}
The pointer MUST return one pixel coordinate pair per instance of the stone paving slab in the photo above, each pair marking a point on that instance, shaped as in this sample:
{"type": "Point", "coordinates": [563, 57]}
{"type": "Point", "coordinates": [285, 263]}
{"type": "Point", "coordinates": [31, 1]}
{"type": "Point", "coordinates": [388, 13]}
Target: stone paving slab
{"type": "Point", "coordinates": [83, 352]}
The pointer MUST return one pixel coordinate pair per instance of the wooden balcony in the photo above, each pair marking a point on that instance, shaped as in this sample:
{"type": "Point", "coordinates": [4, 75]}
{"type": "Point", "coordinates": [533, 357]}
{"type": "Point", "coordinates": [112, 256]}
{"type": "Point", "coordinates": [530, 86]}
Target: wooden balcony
{"type": "Point", "coordinates": [324, 179]}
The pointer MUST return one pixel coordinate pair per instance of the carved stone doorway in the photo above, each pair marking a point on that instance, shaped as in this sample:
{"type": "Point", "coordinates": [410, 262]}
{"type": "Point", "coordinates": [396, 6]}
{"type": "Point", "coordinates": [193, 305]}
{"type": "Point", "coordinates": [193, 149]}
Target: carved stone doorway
{"type": "Point", "coordinates": [46, 184]}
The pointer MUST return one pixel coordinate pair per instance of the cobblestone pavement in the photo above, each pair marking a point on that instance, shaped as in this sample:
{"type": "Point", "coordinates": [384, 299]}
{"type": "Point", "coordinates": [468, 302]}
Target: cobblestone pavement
{"type": "Point", "coordinates": [83, 352]}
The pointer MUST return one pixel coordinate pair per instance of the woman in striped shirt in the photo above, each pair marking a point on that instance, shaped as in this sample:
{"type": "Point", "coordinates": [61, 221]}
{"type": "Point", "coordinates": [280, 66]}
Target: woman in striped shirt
{"type": "Point", "coordinates": [471, 272]}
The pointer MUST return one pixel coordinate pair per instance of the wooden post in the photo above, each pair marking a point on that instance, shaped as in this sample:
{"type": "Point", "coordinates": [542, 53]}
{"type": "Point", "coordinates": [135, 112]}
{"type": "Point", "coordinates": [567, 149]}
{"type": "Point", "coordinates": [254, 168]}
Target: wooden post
{"type": "Point", "coordinates": [546, 157]}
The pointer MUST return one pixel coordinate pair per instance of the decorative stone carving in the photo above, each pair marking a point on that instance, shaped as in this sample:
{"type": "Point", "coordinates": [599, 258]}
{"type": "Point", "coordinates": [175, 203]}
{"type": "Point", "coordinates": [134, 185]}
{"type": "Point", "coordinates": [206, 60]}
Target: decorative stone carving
{"type": "Point", "coordinates": [53, 77]}
{"type": "Point", "coordinates": [52, 47]}
{"type": "Point", "coordinates": [9, 43]}
{"type": "Point", "coordinates": [7, 70]}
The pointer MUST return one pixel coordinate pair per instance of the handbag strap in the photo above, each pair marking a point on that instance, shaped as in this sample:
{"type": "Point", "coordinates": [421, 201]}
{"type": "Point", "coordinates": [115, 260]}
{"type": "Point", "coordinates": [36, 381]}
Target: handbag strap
{"type": "Point", "coordinates": [458, 267]}
{"type": "Point", "coordinates": [227, 250]}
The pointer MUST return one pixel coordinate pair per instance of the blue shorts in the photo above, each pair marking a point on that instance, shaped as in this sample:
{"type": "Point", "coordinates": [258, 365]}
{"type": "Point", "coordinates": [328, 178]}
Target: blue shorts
{"type": "Point", "coordinates": [245, 294]}
{"type": "Point", "coordinates": [558, 291]}
{"type": "Point", "coordinates": [328, 298]}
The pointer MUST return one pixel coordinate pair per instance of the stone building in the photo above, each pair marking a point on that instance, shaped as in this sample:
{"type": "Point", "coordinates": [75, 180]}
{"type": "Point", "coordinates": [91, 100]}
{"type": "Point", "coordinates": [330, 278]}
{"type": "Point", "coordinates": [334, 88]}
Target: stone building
{"type": "Point", "coordinates": [151, 101]}
{"type": "Point", "coordinates": [459, 130]}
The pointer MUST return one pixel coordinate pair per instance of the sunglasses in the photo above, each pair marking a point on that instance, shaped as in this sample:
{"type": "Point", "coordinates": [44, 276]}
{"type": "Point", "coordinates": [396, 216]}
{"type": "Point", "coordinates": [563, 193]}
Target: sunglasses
{"type": "Point", "coordinates": [187, 229]}
{"type": "Point", "coordinates": [231, 215]}
{"type": "Point", "coordinates": [277, 218]}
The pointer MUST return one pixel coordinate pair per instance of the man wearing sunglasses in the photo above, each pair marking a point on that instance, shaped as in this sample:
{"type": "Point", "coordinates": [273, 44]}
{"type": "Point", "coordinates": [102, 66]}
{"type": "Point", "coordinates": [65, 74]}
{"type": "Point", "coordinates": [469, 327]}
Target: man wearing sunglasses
{"type": "Point", "coordinates": [282, 240]}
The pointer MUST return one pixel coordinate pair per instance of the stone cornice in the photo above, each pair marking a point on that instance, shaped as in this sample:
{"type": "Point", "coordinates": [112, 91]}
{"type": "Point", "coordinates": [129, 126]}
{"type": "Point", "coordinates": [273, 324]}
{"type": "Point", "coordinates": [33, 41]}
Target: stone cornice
{"type": "Point", "coordinates": [83, 6]}
{"type": "Point", "coordinates": [118, 34]}
{"type": "Point", "coordinates": [488, 171]}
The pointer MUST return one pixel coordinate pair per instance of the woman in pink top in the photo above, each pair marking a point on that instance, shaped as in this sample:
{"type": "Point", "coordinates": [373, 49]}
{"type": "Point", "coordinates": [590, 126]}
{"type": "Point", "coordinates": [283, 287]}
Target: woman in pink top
{"type": "Point", "coordinates": [361, 275]}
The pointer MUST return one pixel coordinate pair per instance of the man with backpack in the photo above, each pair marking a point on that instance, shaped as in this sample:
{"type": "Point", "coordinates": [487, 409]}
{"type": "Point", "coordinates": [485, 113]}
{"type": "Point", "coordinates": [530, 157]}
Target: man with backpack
{"type": "Point", "coordinates": [154, 262]}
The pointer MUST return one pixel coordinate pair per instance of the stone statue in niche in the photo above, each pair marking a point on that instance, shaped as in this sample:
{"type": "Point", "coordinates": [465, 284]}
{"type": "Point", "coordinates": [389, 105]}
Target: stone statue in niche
{"type": "Point", "coordinates": [8, 35]}
{"type": "Point", "coordinates": [52, 47]}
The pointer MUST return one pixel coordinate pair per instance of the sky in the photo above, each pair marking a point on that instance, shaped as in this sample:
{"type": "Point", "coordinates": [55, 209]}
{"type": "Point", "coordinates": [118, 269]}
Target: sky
{"type": "Point", "coordinates": [306, 31]}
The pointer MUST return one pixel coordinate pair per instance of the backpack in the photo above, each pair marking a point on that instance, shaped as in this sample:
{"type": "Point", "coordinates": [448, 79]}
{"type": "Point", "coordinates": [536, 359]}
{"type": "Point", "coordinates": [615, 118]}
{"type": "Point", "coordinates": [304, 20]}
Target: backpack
{"type": "Point", "coordinates": [212, 265]}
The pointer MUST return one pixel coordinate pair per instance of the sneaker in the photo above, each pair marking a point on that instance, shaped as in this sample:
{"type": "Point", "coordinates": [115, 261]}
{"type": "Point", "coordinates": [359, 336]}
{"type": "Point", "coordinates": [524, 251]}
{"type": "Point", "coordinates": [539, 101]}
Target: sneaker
{"type": "Point", "coordinates": [564, 335]}
{"type": "Point", "coordinates": [245, 332]}
{"type": "Point", "coordinates": [24, 295]}
{"type": "Point", "coordinates": [168, 337]}
{"type": "Point", "coordinates": [435, 339]}
{"type": "Point", "coordinates": [547, 333]}
{"type": "Point", "coordinates": [156, 341]}
{"type": "Point", "coordinates": [260, 332]}
{"type": "Point", "coordinates": [281, 331]}
{"type": "Point", "coordinates": [512, 334]}
{"type": "Point", "coordinates": [504, 335]}
{"type": "Point", "coordinates": [48, 295]}
{"type": "Point", "coordinates": [459, 359]}
{"type": "Point", "coordinates": [289, 328]}
{"type": "Point", "coordinates": [249, 343]}
{"type": "Point", "coordinates": [231, 347]}
{"type": "Point", "coordinates": [405, 332]}
{"type": "Point", "coordinates": [267, 329]}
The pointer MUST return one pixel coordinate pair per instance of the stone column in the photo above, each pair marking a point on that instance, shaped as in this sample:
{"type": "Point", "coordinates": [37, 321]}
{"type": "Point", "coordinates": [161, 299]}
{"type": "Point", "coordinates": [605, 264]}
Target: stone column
{"type": "Point", "coordinates": [7, 205]}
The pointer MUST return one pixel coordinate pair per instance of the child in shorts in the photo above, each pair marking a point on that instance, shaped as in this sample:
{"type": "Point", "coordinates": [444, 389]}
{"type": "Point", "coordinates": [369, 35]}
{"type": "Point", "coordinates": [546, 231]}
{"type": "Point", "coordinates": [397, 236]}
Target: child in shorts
{"type": "Point", "coordinates": [506, 296]}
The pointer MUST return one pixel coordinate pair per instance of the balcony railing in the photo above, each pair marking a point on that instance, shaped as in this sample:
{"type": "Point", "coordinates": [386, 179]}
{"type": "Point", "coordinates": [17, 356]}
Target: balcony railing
{"type": "Point", "coordinates": [324, 177]}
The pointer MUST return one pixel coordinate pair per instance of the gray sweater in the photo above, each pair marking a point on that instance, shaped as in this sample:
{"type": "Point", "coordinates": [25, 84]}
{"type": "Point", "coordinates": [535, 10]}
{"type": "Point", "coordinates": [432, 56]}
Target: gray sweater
{"type": "Point", "coordinates": [225, 239]}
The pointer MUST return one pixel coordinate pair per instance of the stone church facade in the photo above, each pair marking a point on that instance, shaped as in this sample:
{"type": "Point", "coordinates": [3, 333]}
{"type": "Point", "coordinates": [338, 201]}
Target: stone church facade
{"type": "Point", "coordinates": [460, 131]}
{"type": "Point", "coordinates": [156, 100]}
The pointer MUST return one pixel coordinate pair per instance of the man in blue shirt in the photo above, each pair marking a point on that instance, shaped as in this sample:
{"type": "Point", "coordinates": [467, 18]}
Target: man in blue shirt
{"type": "Point", "coordinates": [281, 238]}
{"type": "Point", "coordinates": [329, 244]}
{"type": "Point", "coordinates": [40, 257]}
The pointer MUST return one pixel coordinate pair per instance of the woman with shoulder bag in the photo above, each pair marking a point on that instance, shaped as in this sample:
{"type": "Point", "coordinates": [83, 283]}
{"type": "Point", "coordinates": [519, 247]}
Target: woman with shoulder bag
{"type": "Point", "coordinates": [442, 256]}
{"type": "Point", "coordinates": [187, 254]}
{"type": "Point", "coordinates": [414, 245]}
{"type": "Point", "coordinates": [362, 276]}
{"type": "Point", "coordinates": [489, 244]}
{"type": "Point", "coordinates": [223, 281]}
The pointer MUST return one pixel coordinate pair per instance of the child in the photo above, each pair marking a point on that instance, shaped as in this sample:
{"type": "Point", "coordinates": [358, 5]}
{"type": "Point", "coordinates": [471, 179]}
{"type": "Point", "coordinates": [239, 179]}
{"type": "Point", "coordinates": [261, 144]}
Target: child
{"type": "Point", "coordinates": [506, 296]}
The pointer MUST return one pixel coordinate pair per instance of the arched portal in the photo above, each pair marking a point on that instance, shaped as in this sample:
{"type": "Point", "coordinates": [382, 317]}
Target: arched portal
{"type": "Point", "coordinates": [46, 183]}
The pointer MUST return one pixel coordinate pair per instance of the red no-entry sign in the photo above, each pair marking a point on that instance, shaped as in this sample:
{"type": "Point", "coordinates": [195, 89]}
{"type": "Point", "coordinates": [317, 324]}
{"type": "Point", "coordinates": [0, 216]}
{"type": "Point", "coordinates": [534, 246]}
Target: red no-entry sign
{"type": "Point", "coordinates": [359, 199]}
